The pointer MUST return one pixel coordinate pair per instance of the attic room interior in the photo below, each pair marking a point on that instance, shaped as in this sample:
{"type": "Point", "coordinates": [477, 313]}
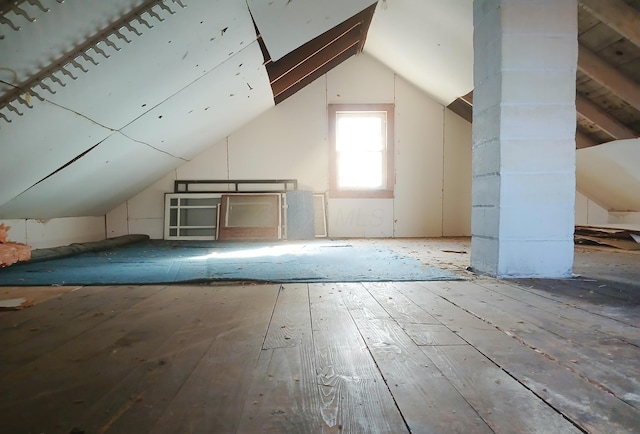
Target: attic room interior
{"type": "Point", "coordinates": [391, 216]}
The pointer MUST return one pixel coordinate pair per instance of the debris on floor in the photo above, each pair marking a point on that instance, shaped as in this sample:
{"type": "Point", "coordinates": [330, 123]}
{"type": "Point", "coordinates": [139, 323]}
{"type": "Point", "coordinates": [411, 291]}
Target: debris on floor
{"type": "Point", "coordinates": [625, 237]}
{"type": "Point", "coordinates": [15, 303]}
{"type": "Point", "coordinates": [11, 253]}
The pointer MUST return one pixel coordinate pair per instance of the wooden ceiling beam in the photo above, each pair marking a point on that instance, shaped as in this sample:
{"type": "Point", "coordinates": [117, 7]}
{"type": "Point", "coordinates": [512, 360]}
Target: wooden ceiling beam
{"type": "Point", "coordinates": [584, 141]}
{"type": "Point", "coordinates": [300, 67]}
{"type": "Point", "coordinates": [618, 15]}
{"type": "Point", "coordinates": [606, 123]}
{"type": "Point", "coordinates": [308, 61]}
{"type": "Point", "coordinates": [462, 108]}
{"type": "Point", "coordinates": [600, 71]}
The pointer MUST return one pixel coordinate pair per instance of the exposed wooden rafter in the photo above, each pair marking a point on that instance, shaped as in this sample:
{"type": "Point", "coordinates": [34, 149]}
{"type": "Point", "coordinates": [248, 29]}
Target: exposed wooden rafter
{"type": "Point", "coordinates": [606, 123]}
{"type": "Point", "coordinates": [618, 15]}
{"type": "Point", "coordinates": [600, 71]}
{"type": "Point", "coordinates": [584, 141]}
{"type": "Point", "coordinates": [310, 61]}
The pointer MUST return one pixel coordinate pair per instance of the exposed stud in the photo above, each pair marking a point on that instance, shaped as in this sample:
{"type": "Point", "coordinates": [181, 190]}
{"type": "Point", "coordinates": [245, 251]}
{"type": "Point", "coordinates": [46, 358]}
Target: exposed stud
{"type": "Point", "coordinates": [22, 12]}
{"type": "Point", "coordinates": [121, 36]}
{"type": "Point", "coordinates": [13, 109]}
{"type": "Point", "coordinates": [143, 21]}
{"type": "Point", "coordinates": [155, 15]}
{"type": "Point", "coordinates": [5, 20]}
{"type": "Point", "coordinates": [57, 80]}
{"type": "Point", "coordinates": [88, 58]}
{"type": "Point", "coordinates": [111, 44]}
{"type": "Point", "coordinates": [46, 87]}
{"type": "Point", "coordinates": [75, 63]}
{"type": "Point", "coordinates": [37, 3]}
{"type": "Point", "coordinates": [166, 8]}
{"type": "Point", "coordinates": [132, 29]}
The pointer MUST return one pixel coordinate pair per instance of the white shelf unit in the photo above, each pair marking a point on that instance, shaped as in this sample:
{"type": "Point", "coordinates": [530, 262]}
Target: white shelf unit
{"type": "Point", "coordinates": [191, 216]}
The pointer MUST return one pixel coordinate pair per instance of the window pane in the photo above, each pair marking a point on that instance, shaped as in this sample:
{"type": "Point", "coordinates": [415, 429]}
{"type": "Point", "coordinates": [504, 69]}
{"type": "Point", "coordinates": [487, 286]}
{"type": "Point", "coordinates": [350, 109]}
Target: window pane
{"type": "Point", "coordinates": [360, 170]}
{"type": "Point", "coordinates": [360, 131]}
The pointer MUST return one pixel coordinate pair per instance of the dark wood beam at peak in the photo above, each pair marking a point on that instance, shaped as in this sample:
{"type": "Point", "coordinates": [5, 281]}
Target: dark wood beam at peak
{"type": "Point", "coordinates": [463, 107]}
{"type": "Point", "coordinates": [618, 15]}
{"type": "Point", "coordinates": [310, 61]}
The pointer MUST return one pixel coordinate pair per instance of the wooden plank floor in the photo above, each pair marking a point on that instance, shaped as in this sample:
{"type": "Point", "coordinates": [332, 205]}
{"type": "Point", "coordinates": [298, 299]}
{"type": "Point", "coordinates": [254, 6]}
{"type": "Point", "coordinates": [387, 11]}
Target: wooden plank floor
{"type": "Point", "coordinates": [475, 356]}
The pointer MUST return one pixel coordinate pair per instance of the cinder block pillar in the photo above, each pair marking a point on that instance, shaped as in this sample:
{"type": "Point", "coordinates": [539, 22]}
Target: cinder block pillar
{"type": "Point", "coordinates": [524, 121]}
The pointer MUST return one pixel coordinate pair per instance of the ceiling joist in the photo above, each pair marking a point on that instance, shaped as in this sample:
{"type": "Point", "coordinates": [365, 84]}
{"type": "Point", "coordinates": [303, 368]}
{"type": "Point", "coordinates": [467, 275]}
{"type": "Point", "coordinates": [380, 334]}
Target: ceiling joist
{"type": "Point", "coordinates": [300, 67]}
{"type": "Point", "coordinates": [618, 15]}
{"type": "Point", "coordinates": [584, 141]}
{"type": "Point", "coordinates": [600, 71]}
{"type": "Point", "coordinates": [605, 122]}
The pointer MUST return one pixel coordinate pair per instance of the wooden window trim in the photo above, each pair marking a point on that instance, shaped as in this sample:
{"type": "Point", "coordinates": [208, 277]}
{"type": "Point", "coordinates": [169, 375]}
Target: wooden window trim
{"type": "Point", "coordinates": [334, 191]}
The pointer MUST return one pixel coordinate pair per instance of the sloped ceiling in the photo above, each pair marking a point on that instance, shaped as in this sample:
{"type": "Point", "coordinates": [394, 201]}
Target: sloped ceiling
{"type": "Point", "coordinates": [610, 174]}
{"type": "Point", "coordinates": [428, 42]}
{"type": "Point", "coordinates": [148, 86]}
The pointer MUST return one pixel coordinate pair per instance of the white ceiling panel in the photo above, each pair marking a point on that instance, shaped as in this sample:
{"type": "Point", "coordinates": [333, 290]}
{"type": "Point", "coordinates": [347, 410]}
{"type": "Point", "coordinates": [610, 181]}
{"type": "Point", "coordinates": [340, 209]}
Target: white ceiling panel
{"type": "Point", "coordinates": [95, 183]}
{"type": "Point", "coordinates": [610, 174]}
{"type": "Point", "coordinates": [210, 108]}
{"type": "Point", "coordinates": [286, 24]}
{"type": "Point", "coordinates": [39, 142]}
{"type": "Point", "coordinates": [53, 33]}
{"type": "Point", "coordinates": [154, 66]}
{"type": "Point", "coordinates": [428, 42]}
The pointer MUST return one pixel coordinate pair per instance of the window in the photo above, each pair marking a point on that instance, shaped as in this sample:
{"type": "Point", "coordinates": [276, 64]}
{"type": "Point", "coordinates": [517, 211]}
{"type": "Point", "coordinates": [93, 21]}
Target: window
{"type": "Point", "coordinates": [361, 157]}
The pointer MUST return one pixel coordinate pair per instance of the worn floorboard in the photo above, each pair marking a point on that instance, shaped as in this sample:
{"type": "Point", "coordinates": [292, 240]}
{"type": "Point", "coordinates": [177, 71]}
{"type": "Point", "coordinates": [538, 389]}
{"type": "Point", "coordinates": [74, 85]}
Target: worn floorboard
{"type": "Point", "coordinates": [609, 362]}
{"type": "Point", "coordinates": [438, 357]}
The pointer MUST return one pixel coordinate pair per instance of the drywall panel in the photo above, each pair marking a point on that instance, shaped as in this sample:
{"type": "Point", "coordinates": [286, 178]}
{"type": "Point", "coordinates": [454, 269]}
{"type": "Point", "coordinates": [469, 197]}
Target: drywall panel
{"type": "Point", "coordinates": [210, 164]}
{"type": "Point", "coordinates": [456, 203]}
{"type": "Point", "coordinates": [360, 80]}
{"type": "Point", "coordinates": [152, 227]}
{"type": "Point", "coordinates": [186, 45]}
{"type": "Point", "coordinates": [588, 212]}
{"type": "Point", "coordinates": [630, 218]}
{"type": "Point", "coordinates": [53, 32]}
{"type": "Point", "coordinates": [38, 143]}
{"type": "Point", "coordinates": [360, 218]}
{"type": "Point", "coordinates": [444, 68]}
{"type": "Point", "coordinates": [94, 184]}
{"type": "Point", "coordinates": [208, 109]}
{"type": "Point", "coordinates": [419, 124]}
{"type": "Point", "coordinates": [43, 234]}
{"type": "Point", "coordinates": [116, 221]}
{"type": "Point", "coordinates": [288, 141]}
{"type": "Point", "coordinates": [149, 203]}
{"type": "Point", "coordinates": [305, 20]}
{"type": "Point", "coordinates": [609, 174]}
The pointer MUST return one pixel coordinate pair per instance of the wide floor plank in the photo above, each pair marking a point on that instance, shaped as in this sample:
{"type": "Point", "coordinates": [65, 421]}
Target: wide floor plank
{"type": "Point", "coordinates": [284, 395]}
{"type": "Point", "coordinates": [213, 396]}
{"type": "Point", "coordinates": [354, 396]}
{"type": "Point", "coordinates": [586, 405]}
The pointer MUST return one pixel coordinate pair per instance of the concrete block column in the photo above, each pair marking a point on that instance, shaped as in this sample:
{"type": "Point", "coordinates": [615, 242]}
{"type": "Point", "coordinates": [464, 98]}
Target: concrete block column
{"type": "Point", "coordinates": [524, 121]}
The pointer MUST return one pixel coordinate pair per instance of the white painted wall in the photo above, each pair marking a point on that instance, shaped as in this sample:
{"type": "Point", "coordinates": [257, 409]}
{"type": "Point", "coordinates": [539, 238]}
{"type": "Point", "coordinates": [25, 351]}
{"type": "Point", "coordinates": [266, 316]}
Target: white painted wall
{"type": "Point", "coordinates": [432, 158]}
{"type": "Point", "coordinates": [41, 234]}
{"type": "Point", "coordinates": [588, 212]}
{"type": "Point", "coordinates": [625, 218]}
{"type": "Point", "coordinates": [457, 176]}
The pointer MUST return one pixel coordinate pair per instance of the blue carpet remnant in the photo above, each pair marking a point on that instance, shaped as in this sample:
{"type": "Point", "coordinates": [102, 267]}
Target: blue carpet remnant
{"type": "Point", "coordinates": [160, 262]}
